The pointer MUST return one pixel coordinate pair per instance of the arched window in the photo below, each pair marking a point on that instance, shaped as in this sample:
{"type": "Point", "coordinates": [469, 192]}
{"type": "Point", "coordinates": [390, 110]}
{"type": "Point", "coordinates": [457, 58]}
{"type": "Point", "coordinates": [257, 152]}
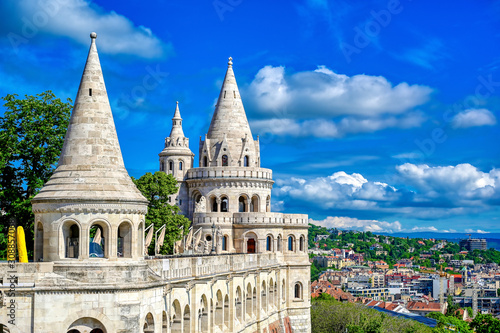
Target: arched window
{"type": "Point", "coordinates": [170, 165]}
{"type": "Point", "coordinates": [251, 245]}
{"type": "Point", "coordinates": [224, 160]}
{"type": "Point", "coordinates": [269, 242]}
{"type": "Point", "coordinates": [301, 244]}
{"type": "Point", "coordinates": [205, 161]}
{"type": "Point", "coordinates": [214, 204]}
{"type": "Point", "coordinates": [268, 204]}
{"type": "Point", "coordinates": [71, 239]}
{"type": "Point", "coordinates": [124, 246]}
{"type": "Point", "coordinates": [149, 324]}
{"type": "Point", "coordinates": [245, 161]}
{"type": "Point", "coordinates": [180, 165]}
{"type": "Point", "coordinates": [224, 205]}
{"type": "Point", "coordinates": [290, 243]}
{"type": "Point", "coordinates": [162, 166]}
{"type": "Point", "coordinates": [298, 290]}
{"type": "Point", "coordinates": [242, 204]}
{"type": "Point", "coordinates": [224, 243]}
{"type": "Point", "coordinates": [98, 233]}
{"type": "Point", "coordinates": [254, 205]}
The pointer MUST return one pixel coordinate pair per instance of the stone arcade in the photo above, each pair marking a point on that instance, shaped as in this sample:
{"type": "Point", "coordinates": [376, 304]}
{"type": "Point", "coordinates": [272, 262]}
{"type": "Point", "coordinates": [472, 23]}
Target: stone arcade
{"type": "Point", "coordinates": [257, 279]}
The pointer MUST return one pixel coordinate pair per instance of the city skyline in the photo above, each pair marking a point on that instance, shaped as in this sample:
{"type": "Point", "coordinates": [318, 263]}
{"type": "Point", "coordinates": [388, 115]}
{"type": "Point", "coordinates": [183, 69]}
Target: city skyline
{"type": "Point", "coordinates": [379, 116]}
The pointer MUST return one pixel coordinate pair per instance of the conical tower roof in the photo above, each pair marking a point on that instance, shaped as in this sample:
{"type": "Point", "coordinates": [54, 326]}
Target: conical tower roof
{"type": "Point", "coordinates": [229, 116]}
{"type": "Point", "coordinates": [177, 131]}
{"type": "Point", "coordinates": [91, 165]}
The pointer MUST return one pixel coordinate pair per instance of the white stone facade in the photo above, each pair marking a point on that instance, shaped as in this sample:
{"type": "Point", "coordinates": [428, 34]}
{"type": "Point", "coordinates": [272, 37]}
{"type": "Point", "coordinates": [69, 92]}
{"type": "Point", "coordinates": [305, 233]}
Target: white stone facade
{"type": "Point", "coordinates": [90, 274]}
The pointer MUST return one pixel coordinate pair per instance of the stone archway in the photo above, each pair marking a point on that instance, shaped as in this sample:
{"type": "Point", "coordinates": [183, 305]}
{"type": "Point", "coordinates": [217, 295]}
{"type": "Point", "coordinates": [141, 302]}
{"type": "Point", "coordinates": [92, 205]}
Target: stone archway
{"type": "Point", "coordinates": [87, 324]}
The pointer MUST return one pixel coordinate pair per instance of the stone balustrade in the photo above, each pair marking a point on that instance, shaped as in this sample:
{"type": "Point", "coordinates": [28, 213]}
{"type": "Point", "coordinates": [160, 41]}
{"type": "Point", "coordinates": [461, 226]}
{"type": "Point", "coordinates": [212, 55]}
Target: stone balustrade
{"type": "Point", "coordinates": [229, 172]}
{"type": "Point", "coordinates": [251, 218]}
{"type": "Point", "coordinates": [201, 266]}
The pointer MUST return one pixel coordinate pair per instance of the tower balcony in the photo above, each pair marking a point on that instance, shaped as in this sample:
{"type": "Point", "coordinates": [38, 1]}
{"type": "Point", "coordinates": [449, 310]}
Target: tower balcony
{"type": "Point", "coordinates": [250, 218]}
{"type": "Point", "coordinates": [229, 172]}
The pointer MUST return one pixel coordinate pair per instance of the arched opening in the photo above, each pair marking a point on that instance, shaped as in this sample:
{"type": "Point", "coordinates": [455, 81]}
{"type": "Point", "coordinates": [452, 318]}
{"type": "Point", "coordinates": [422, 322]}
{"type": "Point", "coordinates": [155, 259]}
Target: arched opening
{"type": "Point", "coordinates": [98, 235]}
{"type": "Point", "coordinates": [5, 329]}
{"type": "Point", "coordinates": [245, 161]}
{"type": "Point", "coordinates": [283, 294]}
{"type": "Point", "coordinates": [175, 317]}
{"type": "Point", "coordinates": [226, 311]}
{"type": "Point", "coordinates": [140, 239]}
{"type": "Point", "coordinates": [254, 205]}
{"type": "Point", "coordinates": [164, 322]}
{"type": "Point", "coordinates": [301, 244]}
{"type": "Point", "coordinates": [248, 301]}
{"type": "Point", "coordinates": [86, 324]}
{"type": "Point", "coordinates": [242, 204]}
{"type": "Point", "coordinates": [203, 315]}
{"type": "Point", "coordinates": [180, 165]}
{"type": "Point", "coordinates": [291, 242]}
{"type": "Point", "coordinates": [205, 161]}
{"type": "Point", "coordinates": [268, 203]}
{"type": "Point", "coordinates": [213, 204]}
{"type": "Point", "coordinates": [225, 161]}
{"type": "Point", "coordinates": [149, 324]}
{"type": "Point", "coordinates": [278, 243]}
{"type": "Point", "coordinates": [298, 290]}
{"type": "Point", "coordinates": [162, 166]}
{"type": "Point", "coordinates": [38, 242]}
{"type": "Point", "coordinates": [276, 297]}
{"type": "Point", "coordinates": [263, 297]}
{"type": "Point", "coordinates": [254, 301]}
{"type": "Point", "coordinates": [251, 245]}
{"type": "Point", "coordinates": [71, 237]}
{"type": "Point", "coordinates": [124, 246]}
{"type": "Point", "coordinates": [187, 319]}
{"type": "Point", "coordinates": [224, 205]}
{"type": "Point", "coordinates": [170, 165]}
{"type": "Point", "coordinates": [269, 243]}
{"type": "Point", "coordinates": [224, 243]}
{"type": "Point", "coordinates": [238, 305]}
{"type": "Point", "coordinates": [219, 315]}
{"type": "Point", "coordinates": [271, 294]}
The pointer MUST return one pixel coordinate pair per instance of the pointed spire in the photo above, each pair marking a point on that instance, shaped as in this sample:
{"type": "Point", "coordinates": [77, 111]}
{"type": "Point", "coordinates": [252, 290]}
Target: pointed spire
{"type": "Point", "coordinates": [91, 164]}
{"type": "Point", "coordinates": [229, 115]}
{"type": "Point", "coordinates": [176, 131]}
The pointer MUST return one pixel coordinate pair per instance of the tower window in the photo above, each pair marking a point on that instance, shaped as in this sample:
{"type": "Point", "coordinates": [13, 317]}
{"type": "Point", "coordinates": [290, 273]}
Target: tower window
{"type": "Point", "coordinates": [170, 165]}
{"type": "Point", "coordinates": [224, 160]}
{"type": "Point", "coordinates": [224, 94]}
{"type": "Point", "coordinates": [245, 161]}
{"type": "Point", "coordinates": [90, 91]}
{"type": "Point", "coordinates": [162, 166]}
{"type": "Point", "coordinates": [180, 165]}
{"type": "Point", "coordinates": [234, 94]}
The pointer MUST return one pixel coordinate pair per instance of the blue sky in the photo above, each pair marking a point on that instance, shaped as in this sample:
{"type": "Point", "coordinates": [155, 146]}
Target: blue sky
{"type": "Point", "coordinates": [374, 115]}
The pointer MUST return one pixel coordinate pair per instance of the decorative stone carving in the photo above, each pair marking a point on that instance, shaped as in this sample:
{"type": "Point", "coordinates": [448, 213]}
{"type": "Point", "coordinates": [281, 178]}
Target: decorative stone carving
{"type": "Point", "coordinates": [201, 206]}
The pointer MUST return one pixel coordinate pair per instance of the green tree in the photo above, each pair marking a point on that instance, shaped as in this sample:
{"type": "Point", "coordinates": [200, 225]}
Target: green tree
{"type": "Point", "coordinates": [32, 133]}
{"type": "Point", "coordinates": [157, 188]}
{"type": "Point", "coordinates": [485, 324]}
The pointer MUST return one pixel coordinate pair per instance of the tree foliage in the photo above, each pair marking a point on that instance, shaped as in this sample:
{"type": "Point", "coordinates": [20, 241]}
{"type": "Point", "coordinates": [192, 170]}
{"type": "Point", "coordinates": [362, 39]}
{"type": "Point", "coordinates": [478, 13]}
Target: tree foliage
{"type": "Point", "coordinates": [331, 316]}
{"type": "Point", "coordinates": [485, 323]}
{"type": "Point", "coordinates": [32, 133]}
{"type": "Point", "coordinates": [157, 188]}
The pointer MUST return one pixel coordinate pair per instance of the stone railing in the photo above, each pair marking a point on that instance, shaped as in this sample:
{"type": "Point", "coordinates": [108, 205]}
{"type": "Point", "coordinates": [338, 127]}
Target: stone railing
{"type": "Point", "coordinates": [229, 172]}
{"type": "Point", "coordinates": [250, 218]}
{"type": "Point", "coordinates": [201, 266]}
{"type": "Point", "coordinates": [213, 217]}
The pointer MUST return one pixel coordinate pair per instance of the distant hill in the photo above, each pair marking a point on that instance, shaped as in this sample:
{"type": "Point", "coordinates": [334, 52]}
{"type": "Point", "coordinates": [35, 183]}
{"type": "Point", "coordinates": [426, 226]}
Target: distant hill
{"type": "Point", "coordinates": [493, 239]}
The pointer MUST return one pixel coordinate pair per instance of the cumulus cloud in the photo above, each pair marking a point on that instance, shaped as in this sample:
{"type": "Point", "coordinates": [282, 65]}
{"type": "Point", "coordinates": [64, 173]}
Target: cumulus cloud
{"type": "Point", "coordinates": [350, 223]}
{"type": "Point", "coordinates": [422, 192]}
{"type": "Point", "coordinates": [324, 128]}
{"type": "Point", "coordinates": [478, 231]}
{"type": "Point", "coordinates": [76, 19]}
{"type": "Point", "coordinates": [322, 92]}
{"type": "Point", "coordinates": [473, 118]}
{"type": "Point", "coordinates": [461, 182]}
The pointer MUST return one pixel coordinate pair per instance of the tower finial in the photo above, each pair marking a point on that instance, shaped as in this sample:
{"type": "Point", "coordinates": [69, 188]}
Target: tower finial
{"type": "Point", "coordinates": [93, 35]}
{"type": "Point", "coordinates": [230, 62]}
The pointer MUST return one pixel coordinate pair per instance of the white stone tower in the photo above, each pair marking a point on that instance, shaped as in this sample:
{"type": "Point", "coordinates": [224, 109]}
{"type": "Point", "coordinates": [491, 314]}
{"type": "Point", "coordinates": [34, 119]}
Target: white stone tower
{"type": "Point", "coordinates": [90, 208]}
{"type": "Point", "coordinates": [176, 158]}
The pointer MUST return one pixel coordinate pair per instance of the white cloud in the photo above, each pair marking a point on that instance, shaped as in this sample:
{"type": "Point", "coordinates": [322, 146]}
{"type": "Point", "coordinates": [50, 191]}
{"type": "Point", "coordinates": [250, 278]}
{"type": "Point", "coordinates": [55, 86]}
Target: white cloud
{"type": "Point", "coordinates": [323, 92]}
{"type": "Point", "coordinates": [324, 128]}
{"type": "Point", "coordinates": [478, 231]}
{"type": "Point", "coordinates": [421, 229]}
{"type": "Point", "coordinates": [473, 118]}
{"type": "Point", "coordinates": [76, 19]}
{"type": "Point", "coordinates": [461, 182]}
{"type": "Point", "coordinates": [349, 223]}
